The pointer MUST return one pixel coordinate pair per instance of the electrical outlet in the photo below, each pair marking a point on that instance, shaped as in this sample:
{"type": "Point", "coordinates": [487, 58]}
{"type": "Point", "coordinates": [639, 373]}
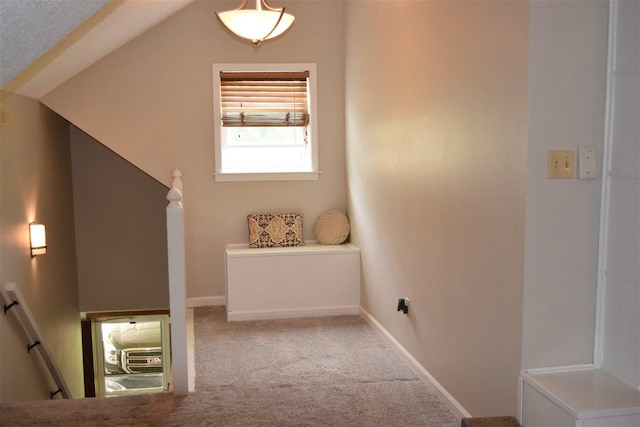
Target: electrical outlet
{"type": "Point", "coordinates": [403, 305]}
{"type": "Point", "coordinates": [560, 165]}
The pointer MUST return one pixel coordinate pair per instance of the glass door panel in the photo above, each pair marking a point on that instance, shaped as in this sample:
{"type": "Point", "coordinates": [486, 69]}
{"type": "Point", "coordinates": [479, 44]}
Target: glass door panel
{"type": "Point", "coordinates": [133, 355]}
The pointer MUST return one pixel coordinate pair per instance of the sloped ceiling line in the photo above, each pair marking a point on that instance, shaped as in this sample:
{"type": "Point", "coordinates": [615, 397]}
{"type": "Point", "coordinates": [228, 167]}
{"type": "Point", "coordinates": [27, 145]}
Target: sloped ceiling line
{"type": "Point", "coordinates": [33, 32]}
{"type": "Point", "coordinates": [86, 40]}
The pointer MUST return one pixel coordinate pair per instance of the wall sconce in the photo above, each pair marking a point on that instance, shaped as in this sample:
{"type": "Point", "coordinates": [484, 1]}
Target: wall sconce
{"type": "Point", "coordinates": [257, 25]}
{"type": "Point", "coordinates": [38, 237]}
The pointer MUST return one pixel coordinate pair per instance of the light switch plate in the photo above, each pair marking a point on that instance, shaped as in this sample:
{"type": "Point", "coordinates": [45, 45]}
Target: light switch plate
{"type": "Point", "coordinates": [560, 165]}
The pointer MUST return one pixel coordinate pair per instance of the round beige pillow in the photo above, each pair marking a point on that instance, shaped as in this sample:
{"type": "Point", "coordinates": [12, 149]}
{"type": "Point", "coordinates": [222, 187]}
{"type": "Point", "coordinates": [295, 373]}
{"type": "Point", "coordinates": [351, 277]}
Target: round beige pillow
{"type": "Point", "coordinates": [331, 228]}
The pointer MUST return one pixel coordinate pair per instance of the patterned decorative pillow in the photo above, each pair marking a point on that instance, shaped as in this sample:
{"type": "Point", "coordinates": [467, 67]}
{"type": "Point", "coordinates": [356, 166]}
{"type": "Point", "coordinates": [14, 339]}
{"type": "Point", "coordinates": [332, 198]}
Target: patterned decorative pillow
{"type": "Point", "coordinates": [274, 230]}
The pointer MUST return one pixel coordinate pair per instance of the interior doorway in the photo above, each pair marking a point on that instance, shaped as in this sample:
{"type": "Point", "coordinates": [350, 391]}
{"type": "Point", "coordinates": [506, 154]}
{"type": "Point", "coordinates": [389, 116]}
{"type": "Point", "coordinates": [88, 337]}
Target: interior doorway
{"type": "Point", "coordinates": [131, 354]}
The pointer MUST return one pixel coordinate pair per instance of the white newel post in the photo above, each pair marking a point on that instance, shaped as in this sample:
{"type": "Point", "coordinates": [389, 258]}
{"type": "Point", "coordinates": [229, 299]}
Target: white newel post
{"type": "Point", "coordinates": [181, 328]}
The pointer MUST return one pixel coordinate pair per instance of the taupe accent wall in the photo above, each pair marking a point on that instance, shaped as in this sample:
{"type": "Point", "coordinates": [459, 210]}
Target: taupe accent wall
{"type": "Point", "coordinates": [121, 230]}
{"type": "Point", "coordinates": [436, 113]}
{"type": "Point", "coordinates": [35, 185]}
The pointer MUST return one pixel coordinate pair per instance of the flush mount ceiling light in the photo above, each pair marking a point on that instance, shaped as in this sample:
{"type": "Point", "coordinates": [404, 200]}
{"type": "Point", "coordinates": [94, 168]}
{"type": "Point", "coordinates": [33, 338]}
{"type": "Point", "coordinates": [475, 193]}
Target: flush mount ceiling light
{"type": "Point", "coordinates": [257, 25]}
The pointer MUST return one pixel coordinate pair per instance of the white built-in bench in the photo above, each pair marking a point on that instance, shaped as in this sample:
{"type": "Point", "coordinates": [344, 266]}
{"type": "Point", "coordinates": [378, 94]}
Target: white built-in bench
{"type": "Point", "coordinates": [585, 397]}
{"type": "Point", "coordinates": [309, 280]}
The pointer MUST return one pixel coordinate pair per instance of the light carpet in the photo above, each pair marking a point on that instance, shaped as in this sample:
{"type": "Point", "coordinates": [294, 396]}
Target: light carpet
{"type": "Point", "coordinates": [326, 371]}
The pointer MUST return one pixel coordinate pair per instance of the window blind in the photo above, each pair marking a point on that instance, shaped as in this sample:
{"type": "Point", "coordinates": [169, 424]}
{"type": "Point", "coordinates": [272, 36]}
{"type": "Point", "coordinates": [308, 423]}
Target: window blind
{"type": "Point", "coordinates": [264, 98]}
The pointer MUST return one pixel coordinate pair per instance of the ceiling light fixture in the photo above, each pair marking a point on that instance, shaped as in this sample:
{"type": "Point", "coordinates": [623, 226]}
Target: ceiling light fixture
{"type": "Point", "coordinates": [257, 25]}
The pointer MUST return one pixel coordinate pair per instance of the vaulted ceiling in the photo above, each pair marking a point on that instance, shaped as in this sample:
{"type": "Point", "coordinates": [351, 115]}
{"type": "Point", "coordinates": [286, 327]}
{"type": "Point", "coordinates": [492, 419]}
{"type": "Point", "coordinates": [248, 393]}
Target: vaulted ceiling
{"type": "Point", "coordinates": [45, 42]}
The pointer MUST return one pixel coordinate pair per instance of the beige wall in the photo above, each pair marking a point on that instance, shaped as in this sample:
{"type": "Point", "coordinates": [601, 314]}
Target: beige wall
{"type": "Point", "coordinates": [121, 230]}
{"type": "Point", "coordinates": [436, 118]}
{"type": "Point", "coordinates": [35, 182]}
{"type": "Point", "coordinates": [151, 102]}
{"type": "Point", "coordinates": [567, 71]}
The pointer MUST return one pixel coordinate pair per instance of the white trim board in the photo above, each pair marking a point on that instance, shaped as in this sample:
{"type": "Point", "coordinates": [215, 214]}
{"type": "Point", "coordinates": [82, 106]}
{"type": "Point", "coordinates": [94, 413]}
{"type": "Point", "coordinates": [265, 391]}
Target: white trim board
{"type": "Point", "coordinates": [206, 301]}
{"type": "Point", "coordinates": [563, 368]}
{"type": "Point", "coordinates": [233, 316]}
{"type": "Point", "coordinates": [418, 369]}
{"type": "Point", "coordinates": [584, 391]}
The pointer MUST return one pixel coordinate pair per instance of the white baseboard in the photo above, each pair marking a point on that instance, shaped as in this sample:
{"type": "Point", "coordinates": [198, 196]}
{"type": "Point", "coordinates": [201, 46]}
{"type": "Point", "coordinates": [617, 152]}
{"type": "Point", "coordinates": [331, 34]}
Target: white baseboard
{"type": "Point", "coordinates": [205, 301]}
{"type": "Point", "coordinates": [424, 375]}
{"type": "Point", "coordinates": [292, 313]}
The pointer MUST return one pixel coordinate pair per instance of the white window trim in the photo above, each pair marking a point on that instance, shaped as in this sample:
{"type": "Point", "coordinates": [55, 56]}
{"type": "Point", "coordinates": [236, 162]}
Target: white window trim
{"type": "Point", "coordinates": [261, 176]}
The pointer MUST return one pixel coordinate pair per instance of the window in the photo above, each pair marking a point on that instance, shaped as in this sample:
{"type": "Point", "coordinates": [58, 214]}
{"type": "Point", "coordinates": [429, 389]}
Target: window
{"type": "Point", "coordinates": [265, 122]}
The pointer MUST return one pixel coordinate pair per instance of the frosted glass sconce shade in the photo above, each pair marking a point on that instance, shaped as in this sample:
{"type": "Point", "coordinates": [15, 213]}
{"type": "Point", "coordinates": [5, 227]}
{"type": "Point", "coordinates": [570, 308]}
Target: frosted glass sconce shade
{"type": "Point", "coordinates": [257, 25]}
{"type": "Point", "coordinates": [38, 238]}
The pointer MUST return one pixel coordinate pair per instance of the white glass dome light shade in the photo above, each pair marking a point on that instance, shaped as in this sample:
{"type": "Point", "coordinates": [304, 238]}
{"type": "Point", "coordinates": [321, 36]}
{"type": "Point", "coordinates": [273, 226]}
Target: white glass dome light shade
{"type": "Point", "coordinates": [256, 25]}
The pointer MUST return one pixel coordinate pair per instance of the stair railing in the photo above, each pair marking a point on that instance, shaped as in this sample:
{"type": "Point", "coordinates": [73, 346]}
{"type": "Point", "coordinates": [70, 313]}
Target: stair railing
{"type": "Point", "coordinates": [181, 329]}
{"type": "Point", "coordinates": [15, 303]}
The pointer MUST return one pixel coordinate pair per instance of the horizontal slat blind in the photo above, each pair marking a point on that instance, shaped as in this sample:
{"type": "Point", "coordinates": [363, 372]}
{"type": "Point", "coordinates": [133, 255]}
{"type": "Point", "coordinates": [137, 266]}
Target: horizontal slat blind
{"type": "Point", "coordinates": [264, 98]}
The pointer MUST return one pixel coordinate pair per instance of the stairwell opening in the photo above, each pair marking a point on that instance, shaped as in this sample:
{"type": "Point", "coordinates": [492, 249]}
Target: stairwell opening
{"type": "Point", "coordinates": [128, 353]}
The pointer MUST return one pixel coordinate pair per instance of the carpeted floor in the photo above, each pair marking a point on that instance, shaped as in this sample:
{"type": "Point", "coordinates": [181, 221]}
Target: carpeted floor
{"type": "Point", "coordinates": [332, 371]}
